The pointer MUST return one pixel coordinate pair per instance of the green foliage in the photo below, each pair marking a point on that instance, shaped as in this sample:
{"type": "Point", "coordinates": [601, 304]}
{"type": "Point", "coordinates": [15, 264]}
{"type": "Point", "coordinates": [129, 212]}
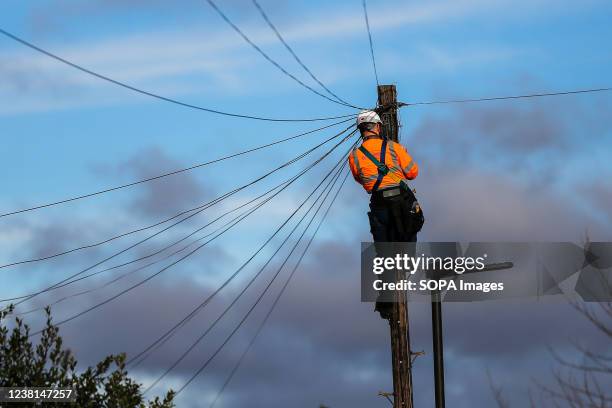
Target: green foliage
{"type": "Point", "coordinates": [50, 364]}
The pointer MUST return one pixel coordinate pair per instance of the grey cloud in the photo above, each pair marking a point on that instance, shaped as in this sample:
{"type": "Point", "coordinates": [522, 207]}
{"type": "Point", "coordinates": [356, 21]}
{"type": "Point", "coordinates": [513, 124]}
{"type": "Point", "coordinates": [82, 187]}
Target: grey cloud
{"type": "Point", "coordinates": [152, 200]}
{"type": "Point", "coordinates": [323, 345]}
{"type": "Point", "coordinates": [493, 173]}
{"type": "Point", "coordinates": [508, 128]}
{"type": "Point", "coordinates": [532, 141]}
{"type": "Point", "coordinates": [22, 79]}
{"type": "Point", "coordinates": [165, 196]}
{"type": "Point", "coordinates": [600, 196]}
{"type": "Point", "coordinates": [54, 238]}
{"type": "Point", "coordinates": [479, 206]}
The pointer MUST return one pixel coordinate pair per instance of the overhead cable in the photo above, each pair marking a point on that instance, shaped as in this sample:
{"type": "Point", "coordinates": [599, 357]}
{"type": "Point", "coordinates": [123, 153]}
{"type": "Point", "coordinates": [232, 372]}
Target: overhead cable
{"type": "Point", "coordinates": [499, 98]}
{"type": "Point", "coordinates": [158, 96]}
{"type": "Point", "coordinates": [169, 333]}
{"type": "Point", "coordinates": [293, 53]}
{"type": "Point", "coordinates": [367, 21]}
{"type": "Point", "coordinates": [172, 173]}
{"type": "Point", "coordinates": [241, 216]}
{"type": "Point", "coordinates": [276, 300]}
{"type": "Point", "coordinates": [108, 300]}
{"type": "Point", "coordinates": [323, 195]}
{"type": "Point", "coordinates": [193, 211]}
{"type": "Point", "coordinates": [268, 58]}
{"type": "Point", "coordinates": [152, 254]}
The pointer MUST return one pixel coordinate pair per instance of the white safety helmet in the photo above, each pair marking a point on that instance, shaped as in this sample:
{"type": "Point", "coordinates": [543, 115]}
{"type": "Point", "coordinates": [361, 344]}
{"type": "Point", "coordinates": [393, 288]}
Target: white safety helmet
{"type": "Point", "coordinates": [368, 116]}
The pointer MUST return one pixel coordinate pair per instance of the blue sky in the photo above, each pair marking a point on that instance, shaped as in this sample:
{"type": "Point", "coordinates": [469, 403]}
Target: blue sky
{"type": "Point", "coordinates": [520, 170]}
{"type": "Point", "coordinates": [433, 50]}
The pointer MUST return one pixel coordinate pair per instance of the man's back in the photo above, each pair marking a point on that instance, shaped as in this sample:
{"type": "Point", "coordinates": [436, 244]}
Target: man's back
{"type": "Point", "coordinates": [396, 157]}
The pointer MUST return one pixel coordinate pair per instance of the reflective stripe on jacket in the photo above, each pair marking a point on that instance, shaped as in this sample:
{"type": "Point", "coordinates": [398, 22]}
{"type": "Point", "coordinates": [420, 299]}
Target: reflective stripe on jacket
{"type": "Point", "coordinates": [397, 159]}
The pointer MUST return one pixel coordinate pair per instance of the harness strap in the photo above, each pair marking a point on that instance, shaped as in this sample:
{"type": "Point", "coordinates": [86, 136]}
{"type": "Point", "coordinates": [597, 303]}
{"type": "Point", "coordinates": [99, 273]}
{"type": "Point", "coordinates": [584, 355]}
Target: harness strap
{"type": "Point", "coordinates": [383, 169]}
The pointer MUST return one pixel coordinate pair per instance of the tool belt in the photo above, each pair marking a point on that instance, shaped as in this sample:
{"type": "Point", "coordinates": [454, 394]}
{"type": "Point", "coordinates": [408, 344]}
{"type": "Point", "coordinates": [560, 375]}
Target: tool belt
{"type": "Point", "coordinates": [403, 206]}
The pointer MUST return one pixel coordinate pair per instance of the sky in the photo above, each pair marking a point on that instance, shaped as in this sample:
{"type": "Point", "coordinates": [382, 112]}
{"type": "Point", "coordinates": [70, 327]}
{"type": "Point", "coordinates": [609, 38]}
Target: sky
{"type": "Point", "coordinates": [522, 170]}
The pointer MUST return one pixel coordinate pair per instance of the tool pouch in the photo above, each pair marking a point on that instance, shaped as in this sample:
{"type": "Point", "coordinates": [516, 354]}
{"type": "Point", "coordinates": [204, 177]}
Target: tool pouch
{"type": "Point", "coordinates": [414, 219]}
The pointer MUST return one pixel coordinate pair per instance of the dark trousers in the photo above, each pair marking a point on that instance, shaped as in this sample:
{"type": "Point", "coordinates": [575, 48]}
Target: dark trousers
{"type": "Point", "coordinates": [390, 219]}
{"type": "Point", "coordinates": [390, 222]}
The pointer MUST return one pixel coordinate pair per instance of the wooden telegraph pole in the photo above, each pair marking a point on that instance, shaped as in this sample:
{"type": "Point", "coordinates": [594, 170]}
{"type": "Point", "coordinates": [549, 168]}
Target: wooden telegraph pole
{"type": "Point", "coordinates": [398, 324]}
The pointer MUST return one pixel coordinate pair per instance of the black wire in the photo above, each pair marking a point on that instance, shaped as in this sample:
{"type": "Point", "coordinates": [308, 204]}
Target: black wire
{"type": "Point", "coordinates": [268, 58]}
{"type": "Point", "coordinates": [276, 300]}
{"type": "Point", "coordinates": [142, 258]}
{"type": "Point", "coordinates": [331, 185]}
{"type": "Point", "coordinates": [233, 332]}
{"type": "Point", "coordinates": [68, 319]}
{"type": "Point", "coordinates": [199, 210]}
{"type": "Point", "coordinates": [367, 21]}
{"type": "Point", "coordinates": [157, 96]}
{"type": "Point", "coordinates": [169, 333]}
{"type": "Point", "coordinates": [243, 215]}
{"type": "Point", "coordinates": [240, 217]}
{"type": "Point", "coordinates": [498, 98]}
{"type": "Point", "coordinates": [105, 241]}
{"type": "Point", "coordinates": [292, 52]}
{"type": "Point", "coordinates": [263, 267]}
{"type": "Point", "coordinates": [195, 166]}
{"type": "Point", "coordinates": [68, 280]}
{"type": "Point", "coordinates": [124, 275]}
{"type": "Point", "coordinates": [163, 269]}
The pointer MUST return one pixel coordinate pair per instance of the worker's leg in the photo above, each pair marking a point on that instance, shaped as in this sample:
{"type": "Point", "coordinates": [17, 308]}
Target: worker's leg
{"type": "Point", "coordinates": [382, 229]}
{"type": "Point", "coordinates": [379, 223]}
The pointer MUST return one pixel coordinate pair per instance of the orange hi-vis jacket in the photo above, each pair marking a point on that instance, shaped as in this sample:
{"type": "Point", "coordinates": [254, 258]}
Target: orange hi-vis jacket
{"type": "Point", "coordinates": [400, 163]}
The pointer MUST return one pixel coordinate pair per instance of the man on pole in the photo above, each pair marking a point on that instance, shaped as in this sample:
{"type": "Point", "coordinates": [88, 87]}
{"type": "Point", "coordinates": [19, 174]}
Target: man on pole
{"type": "Point", "coordinates": [383, 167]}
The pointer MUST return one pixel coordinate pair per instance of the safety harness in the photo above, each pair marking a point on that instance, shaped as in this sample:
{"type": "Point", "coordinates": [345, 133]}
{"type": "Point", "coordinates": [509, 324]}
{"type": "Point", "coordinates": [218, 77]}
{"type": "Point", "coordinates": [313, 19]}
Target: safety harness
{"type": "Point", "coordinates": [406, 220]}
{"type": "Point", "coordinates": [383, 169]}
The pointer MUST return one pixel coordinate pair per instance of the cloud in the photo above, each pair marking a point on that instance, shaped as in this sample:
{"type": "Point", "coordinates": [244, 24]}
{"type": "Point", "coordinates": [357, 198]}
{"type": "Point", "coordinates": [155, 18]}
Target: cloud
{"type": "Point", "coordinates": [56, 238]}
{"type": "Point", "coordinates": [323, 345]}
{"type": "Point", "coordinates": [516, 138]}
{"type": "Point", "coordinates": [166, 196]}
{"type": "Point", "coordinates": [42, 235]}
{"type": "Point", "coordinates": [600, 196]}
{"type": "Point", "coordinates": [488, 173]}
{"type": "Point", "coordinates": [476, 206]}
{"type": "Point", "coordinates": [504, 172]}
{"type": "Point", "coordinates": [334, 346]}
{"type": "Point", "coordinates": [509, 130]}
{"type": "Point", "coordinates": [169, 61]}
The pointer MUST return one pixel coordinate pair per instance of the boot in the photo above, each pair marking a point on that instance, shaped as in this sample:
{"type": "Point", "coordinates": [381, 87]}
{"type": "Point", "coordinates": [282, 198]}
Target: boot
{"type": "Point", "coordinates": [385, 309]}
